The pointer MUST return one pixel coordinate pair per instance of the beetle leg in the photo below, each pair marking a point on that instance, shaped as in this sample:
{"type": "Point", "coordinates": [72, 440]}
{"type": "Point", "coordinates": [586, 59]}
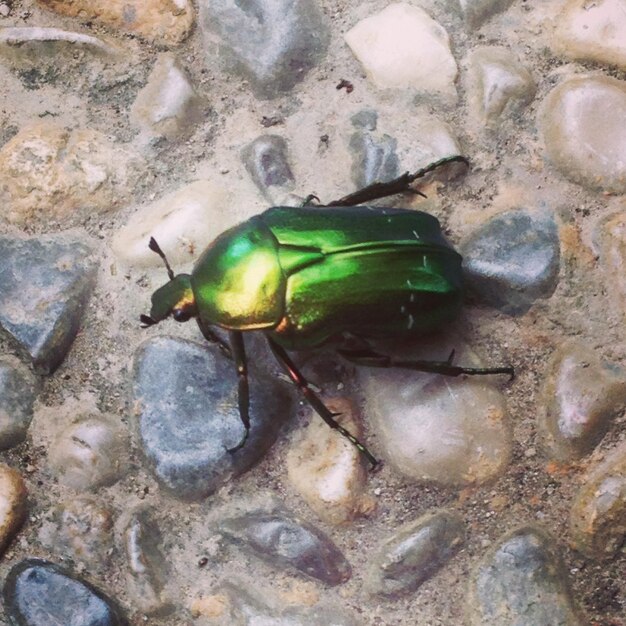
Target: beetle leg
{"type": "Point", "coordinates": [212, 337]}
{"type": "Point", "coordinates": [311, 397]}
{"type": "Point", "coordinates": [369, 358]}
{"type": "Point", "coordinates": [239, 353]}
{"type": "Point", "coordinates": [378, 190]}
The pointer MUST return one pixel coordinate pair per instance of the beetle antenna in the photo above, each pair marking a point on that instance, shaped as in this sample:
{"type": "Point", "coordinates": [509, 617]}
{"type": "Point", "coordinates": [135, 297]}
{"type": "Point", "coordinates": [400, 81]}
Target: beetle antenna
{"type": "Point", "coordinates": [154, 246]}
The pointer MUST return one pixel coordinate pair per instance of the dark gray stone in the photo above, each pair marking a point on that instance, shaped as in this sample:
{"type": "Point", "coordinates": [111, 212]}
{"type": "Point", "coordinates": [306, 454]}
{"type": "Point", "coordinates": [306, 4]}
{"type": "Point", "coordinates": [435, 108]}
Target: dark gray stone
{"type": "Point", "coordinates": [266, 161]}
{"type": "Point", "coordinates": [186, 396]}
{"type": "Point", "coordinates": [414, 553]}
{"type": "Point", "coordinates": [273, 44]}
{"type": "Point", "coordinates": [44, 286]}
{"type": "Point", "coordinates": [18, 390]}
{"type": "Point", "coordinates": [522, 582]}
{"type": "Point", "coordinates": [513, 260]}
{"type": "Point", "coordinates": [374, 158]}
{"type": "Point", "coordinates": [40, 593]}
{"type": "Point", "coordinates": [287, 543]}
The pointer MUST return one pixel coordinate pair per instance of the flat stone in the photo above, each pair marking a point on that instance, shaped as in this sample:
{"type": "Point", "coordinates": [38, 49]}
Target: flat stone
{"type": "Point", "coordinates": [513, 259]}
{"type": "Point", "coordinates": [374, 158]}
{"type": "Point", "coordinates": [598, 516]}
{"type": "Point", "coordinates": [580, 397]}
{"type": "Point", "coordinates": [327, 470]}
{"type": "Point", "coordinates": [271, 44]}
{"type": "Point", "coordinates": [168, 105]}
{"type": "Point", "coordinates": [403, 47]}
{"type": "Point", "coordinates": [80, 529]}
{"type": "Point", "coordinates": [164, 22]}
{"type": "Point", "coordinates": [287, 543]}
{"type": "Point", "coordinates": [611, 236]}
{"type": "Point", "coordinates": [92, 452]}
{"type": "Point", "coordinates": [12, 504]}
{"type": "Point", "coordinates": [45, 283]}
{"type": "Point", "coordinates": [499, 86]}
{"type": "Point", "coordinates": [51, 174]}
{"type": "Point", "coordinates": [186, 401]}
{"type": "Point", "coordinates": [522, 580]}
{"type": "Point", "coordinates": [366, 119]}
{"type": "Point", "coordinates": [477, 12]}
{"type": "Point", "coordinates": [414, 553]}
{"type": "Point", "coordinates": [451, 431]}
{"type": "Point", "coordinates": [592, 31]}
{"type": "Point", "coordinates": [39, 593]}
{"type": "Point", "coordinates": [583, 131]}
{"type": "Point", "coordinates": [18, 390]}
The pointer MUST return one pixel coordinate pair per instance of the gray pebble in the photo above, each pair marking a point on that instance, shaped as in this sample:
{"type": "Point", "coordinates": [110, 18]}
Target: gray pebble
{"type": "Point", "coordinates": [476, 12]}
{"type": "Point", "coordinates": [266, 161]}
{"type": "Point", "coordinates": [374, 158]}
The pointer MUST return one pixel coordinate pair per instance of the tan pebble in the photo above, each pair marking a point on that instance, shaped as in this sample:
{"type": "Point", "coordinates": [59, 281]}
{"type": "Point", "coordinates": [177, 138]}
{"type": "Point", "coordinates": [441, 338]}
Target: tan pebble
{"type": "Point", "coordinates": [12, 503]}
{"type": "Point", "coordinates": [209, 606]}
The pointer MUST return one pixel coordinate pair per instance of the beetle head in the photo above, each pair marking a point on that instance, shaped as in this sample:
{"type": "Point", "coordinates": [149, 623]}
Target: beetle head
{"type": "Point", "coordinates": [175, 298]}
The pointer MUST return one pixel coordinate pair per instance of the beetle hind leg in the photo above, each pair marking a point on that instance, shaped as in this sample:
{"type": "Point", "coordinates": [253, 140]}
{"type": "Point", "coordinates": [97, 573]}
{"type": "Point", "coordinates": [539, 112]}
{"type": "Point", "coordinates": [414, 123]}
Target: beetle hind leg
{"type": "Point", "coordinates": [369, 358]}
{"type": "Point", "coordinates": [239, 354]}
{"type": "Point", "coordinates": [319, 407]}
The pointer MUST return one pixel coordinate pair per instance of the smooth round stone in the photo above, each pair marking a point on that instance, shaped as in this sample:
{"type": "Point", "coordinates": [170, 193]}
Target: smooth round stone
{"type": "Point", "coordinates": [414, 553]}
{"type": "Point", "coordinates": [81, 529]}
{"type": "Point", "coordinates": [598, 515]}
{"type": "Point", "coordinates": [50, 174]}
{"type": "Point", "coordinates": [327, 470]}
{"type": "Point", "coordinates": [453, 431]}
{"type": "Point", "coordinates": [403, 47]}
{"type": "Point", "coordinates": [90, 453]}
{"type": "Point", "coordinates": [162, 22]}
{"type": "Point", "coordinates": [267, 162]}
{"type": "Point", "coordinates": [374, 158]}
{"type": "Point", "coordinates": [499, 86]}
{"type": "Point", "coordinates": [476, 12]}
{"type": "Point", "coordinates": [186, 401]}
{"type": "Point", "coordinates": [287, 543]}
{"type": "Point", "coordinates": [580, 397]}
{"type": "Point", "coordinates": [611, 237]}
{"type": "Point", "coordinates": [168, 105]}
{"type": "Point", "coordinates": [12, 504]}
{"type": "Point", "coordinates": [522, 580]}
{"type": "Point", "coordinates": [18, 390]}
{"type": "Point", "coordinates": [271, 44]}
{"type": "Point", "coordinates": [40, 593]}
{"type": "Point", "coordinates": [513, 259]}
{"type": "Point", "coordinates": [45, 283]}
{"type": "Point", "coordinates": [582, 122]}
{"type": "Point", "coordinates": [592, 31]}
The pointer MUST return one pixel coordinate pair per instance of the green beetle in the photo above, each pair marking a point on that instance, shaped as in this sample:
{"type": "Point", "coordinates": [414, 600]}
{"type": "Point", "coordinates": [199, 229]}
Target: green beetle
{"type": "Point", "coordinates": [306, 275]}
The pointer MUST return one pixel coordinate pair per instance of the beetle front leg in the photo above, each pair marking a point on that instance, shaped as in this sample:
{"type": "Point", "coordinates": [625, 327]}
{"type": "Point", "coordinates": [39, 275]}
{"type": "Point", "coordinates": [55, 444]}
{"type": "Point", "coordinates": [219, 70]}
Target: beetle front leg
{"type": "Point", "coordinates": [239, 353]}
{"type": "Point", "coordinates": [369, 358]}
{"type": "Point", "coordinates": [311, 397]}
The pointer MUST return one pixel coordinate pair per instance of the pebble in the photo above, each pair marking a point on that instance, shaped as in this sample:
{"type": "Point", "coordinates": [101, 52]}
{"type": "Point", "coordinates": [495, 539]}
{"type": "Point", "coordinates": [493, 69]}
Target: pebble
{"type": "Point", "coordinates": [183, 222]}
{"type": "Point", "coordinates": [267, 162]}
{"type": "Point", "coordinates": [513, 259]}
{"type": "Point", "coordinates": [80, 529]}
{"type": "Point", "coordinates": [477, 12]}
{"type": "Point", "coordinates": [326, 470]}
{"type": "Point", "coordinates": [13, 504]}
{"type": "Point", "coordinates": [499, 86]}
{"type": "Point", "coordinates": [287, 543]}
{"type": "Point", "coordinates": [18, 390]}
{"type": "Point", "coordinates": [453, 431]}
{"type": "Point", "coordinates": [91, 453]}
{"type": "Point", "coordinates": [403, 47]}
{"type": "Point", "coordinates": [148, 569]}
{"type": "Point", "coordinates": [185, 397]}
{"type": "Point", "coordinates": [163, 22]}
{"type": "Point", "coordinates": [45, 283]}
{"type": "Point", "coordinates": [51, 174]}
{"type": "Point", "coordinates": [374, 159]}
{"type": "Point", "coordinates": [414, 553]}
{"type": "Point", "coordinates": [598, 516]}
{"type": "Point", "coordinates": [583, 131]}
{"type": "Point", "coordinates": [168, 105]}
{"type": "Point", "coordinates": [592, 31]}
{"type": "Point", "coordinates": [581, 395]}
{"type": "Point", "coordinates": [522, 580]}
{"type": "Point", "coordinates": [611, 235]}
{"type": "Point", "coordinates": [365, 119]}
{"type": "Point", "coordinates": [40, 593]}
{"type": "Point", "coordinates": [273, 45]}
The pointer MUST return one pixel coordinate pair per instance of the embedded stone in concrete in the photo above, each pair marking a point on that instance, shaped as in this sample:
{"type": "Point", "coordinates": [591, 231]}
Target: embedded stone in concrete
{"type": "Point", "coordinates": [12, 504]}
{"type": "Point", "coordinates": [374, 158]}
{"type": "Point", "coordinates": [477, 12]}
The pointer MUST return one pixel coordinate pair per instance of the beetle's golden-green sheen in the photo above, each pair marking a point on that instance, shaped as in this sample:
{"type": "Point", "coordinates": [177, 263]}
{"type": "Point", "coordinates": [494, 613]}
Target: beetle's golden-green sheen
{"type": "Point", "coordinates": [307, 274]}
